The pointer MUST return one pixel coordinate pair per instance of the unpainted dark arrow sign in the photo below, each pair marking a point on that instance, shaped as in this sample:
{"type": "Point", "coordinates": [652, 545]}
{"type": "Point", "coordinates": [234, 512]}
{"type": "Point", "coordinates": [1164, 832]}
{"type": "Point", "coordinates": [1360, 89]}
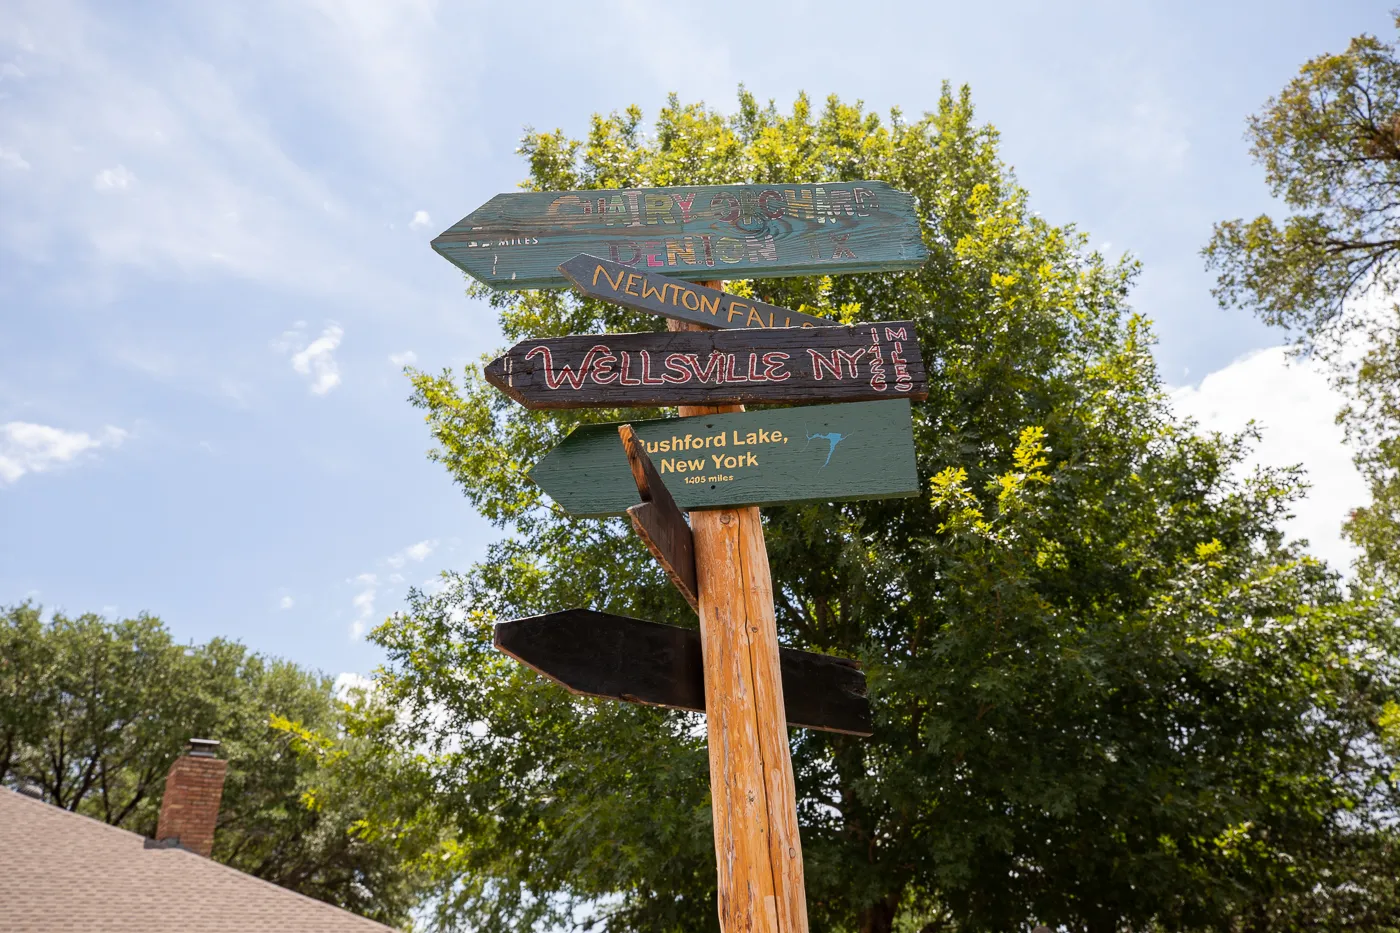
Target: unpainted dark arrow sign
{"type": "Point", "coordinates": [697, 232]}
{"type": "Point", "coordinates": [854, 363]}
{"type": "Point", "coordinates": [615, 657]}
{"type": "Point", "coordinates": [860, 450]}
{"type": "Point", "coordinates": [657, 520]}
{"type": "Point", "coordinates": [641, 290]}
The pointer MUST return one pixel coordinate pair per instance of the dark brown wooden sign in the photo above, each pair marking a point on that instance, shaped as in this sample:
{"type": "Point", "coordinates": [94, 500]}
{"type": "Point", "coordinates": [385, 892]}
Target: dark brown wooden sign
{"type": "Point", "coordinates": [641, 290]}
{"type": "Point", "coordinates": [658, 521]}
{"type": "Point", "coordinates": [603, 655]}
{"type": "Point", "coordinates": [699, 232]}
{"type": "Point", "coordinates": [854, 363]}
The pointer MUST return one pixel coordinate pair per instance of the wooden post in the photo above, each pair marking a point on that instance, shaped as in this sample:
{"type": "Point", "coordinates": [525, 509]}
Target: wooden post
{"type": "Point", "coordinates": [753, 795]}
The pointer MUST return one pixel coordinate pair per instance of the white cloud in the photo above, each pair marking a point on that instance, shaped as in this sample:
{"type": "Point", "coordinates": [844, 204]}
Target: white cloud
{"type": "Point", "coordinates": [316, 359]}
{"type": "Point", "coordinates": [364, 609]}
{"type": "Point", "coordinates": [286, 602]}
{"type": "Point", "coordinates": [420, 219]}
{"type": "Point", "coordinates": [34, 448]}
{"type": "Point", "coordinates": [12, 158]}
{"type": "Point", "coordinates": [414, 552]}
{"type": "Point", "coordinates": [348, 683]}
{"type": "Point", "coordinates": [1295, 408]}
{"type": "Point", "coordinates": [114, 179]}
{"type": "Point", "coordinates": [406, 358]}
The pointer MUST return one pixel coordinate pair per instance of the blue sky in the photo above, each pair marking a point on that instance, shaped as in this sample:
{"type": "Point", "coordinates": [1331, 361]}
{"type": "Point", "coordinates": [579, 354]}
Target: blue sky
{"type": "Point", "coordinates": [214, 261]}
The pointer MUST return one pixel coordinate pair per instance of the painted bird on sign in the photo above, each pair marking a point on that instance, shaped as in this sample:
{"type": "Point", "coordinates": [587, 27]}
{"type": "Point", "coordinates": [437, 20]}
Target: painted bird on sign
{"type": "Point", "coordinates": [833, 438]}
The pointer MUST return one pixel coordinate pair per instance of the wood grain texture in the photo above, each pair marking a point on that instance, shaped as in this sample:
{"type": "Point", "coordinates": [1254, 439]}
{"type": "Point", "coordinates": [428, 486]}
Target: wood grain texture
{"type": "Point", "coordinates": [758, 850]}
{"type": "Point", "coordinates": [641, 290]}
{"type": "Point", "coordinates": [853, 363]}
{"type": "Point", "coordinates": [609, 656]}
{"type": "Point", "coordinates": [518, 240]}
{"type": "Point", "coordinates": [861, 450]}
{"type": "Point", "coordinates": [657, 520]}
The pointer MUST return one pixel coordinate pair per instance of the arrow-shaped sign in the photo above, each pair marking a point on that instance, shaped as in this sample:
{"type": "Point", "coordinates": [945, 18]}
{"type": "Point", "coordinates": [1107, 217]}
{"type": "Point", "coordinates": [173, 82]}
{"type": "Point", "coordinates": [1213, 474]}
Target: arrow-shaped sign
{"type": "Point", "coordinates": [615, 657]}
{"type": "Point", "coordinates": [863, 450]}
{"type": "Point", "coordinates": [641, 290]}
{"type": "Point", "coordinates": [696, 232]}
{"type": "Point", "coordinates": [860, 362]}
{"type": "Point", "coordinates": [658, 521]}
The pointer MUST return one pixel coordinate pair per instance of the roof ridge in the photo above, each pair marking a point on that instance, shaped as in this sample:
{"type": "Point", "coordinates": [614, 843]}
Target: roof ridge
{"type": "Point", "coordinates": [200, 863]}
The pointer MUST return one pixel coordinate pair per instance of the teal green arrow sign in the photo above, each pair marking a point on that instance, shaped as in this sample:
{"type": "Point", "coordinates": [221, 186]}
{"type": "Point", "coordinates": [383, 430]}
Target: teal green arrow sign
{"type": "Point", "coordinates": [696, 232]}
{"type": "Point", "coordinates": [860, 450]}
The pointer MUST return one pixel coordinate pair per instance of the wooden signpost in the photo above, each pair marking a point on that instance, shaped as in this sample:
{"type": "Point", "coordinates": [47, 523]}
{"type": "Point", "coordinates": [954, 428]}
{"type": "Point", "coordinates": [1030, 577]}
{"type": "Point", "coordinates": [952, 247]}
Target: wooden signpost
{"type": "Point", "coordinates": [856, 363]}
{"type": "Point", "coordinates": [862, 450]}
{"type": "Point", "coordinates": [695, 232]}
{"type": "Point", "coordinates": [602, 655]}
{"type": "Point", "coordinates": [642, 290]}
{"type": "Point", "coordinates": [716, 460]}
{"type": "Point", "coordinates": [658, 521]}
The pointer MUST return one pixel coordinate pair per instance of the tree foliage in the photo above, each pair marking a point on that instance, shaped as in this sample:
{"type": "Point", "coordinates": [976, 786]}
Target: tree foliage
{"type": "Point", "coordinates": [1330, 148]}
{"type": "Point", "coordinates": [95, 711]}
{"type": "Point", "coordinates": [1107, 694]}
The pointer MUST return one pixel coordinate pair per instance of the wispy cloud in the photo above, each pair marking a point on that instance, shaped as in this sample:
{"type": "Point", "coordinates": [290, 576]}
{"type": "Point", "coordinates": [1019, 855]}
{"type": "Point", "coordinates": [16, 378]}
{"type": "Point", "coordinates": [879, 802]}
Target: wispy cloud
{"type": "Point", "coordinates": [406, 358]}
{"type": "Point", "coordinates": [114, 179]}
{"type": "Point", "coordinates": [414, 552]}
{"type": "Point", "coordinates": [420, 219]}
{"type": "Point", "coordinates": [34, 448]}
{"type": "Point", "coordinates": [286, 602]}
{"type": "Point", "coordinates": [314, 359]}
{"type": "Point", "coordinates": [12, 159]}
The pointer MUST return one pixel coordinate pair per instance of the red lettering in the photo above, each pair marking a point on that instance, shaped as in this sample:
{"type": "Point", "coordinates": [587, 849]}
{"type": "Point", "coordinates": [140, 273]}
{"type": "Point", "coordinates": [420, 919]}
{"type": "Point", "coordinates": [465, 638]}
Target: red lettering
{"type": "Point", "coordinates": [622, 379]}
{"type": "Point", "coordinates": [602, 366]}
{"type": "Point", "coordinates": [554, 378]}
{"type": "Point", "coordinates": [677, 372]}
{"type": "Point", "coordinates": [715, 367]}
{"type": "Point", "coordinates": [820, 362]}
{"type": "Point", "coordinates": [684, 203]}
{"type": "Point", "coordinates": [773, 363]}
{"type": "Point", "coordinates": [627, 244]}
{"type": "Point", "coordinates": [647, 378]}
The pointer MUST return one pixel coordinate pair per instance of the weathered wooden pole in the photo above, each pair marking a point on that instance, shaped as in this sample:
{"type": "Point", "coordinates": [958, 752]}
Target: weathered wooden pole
{"type": "Point", "coordinates": [753, 795]}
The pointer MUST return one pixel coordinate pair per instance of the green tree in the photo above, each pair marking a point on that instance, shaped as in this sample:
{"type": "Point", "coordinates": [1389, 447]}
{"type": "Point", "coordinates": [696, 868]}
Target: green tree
{"type": "Point", "coordinates": [1107, 693]}
{"type": "Point", "coordinates": [95, 712]}
{"type": "Point", "coordinates": [1330, 148]}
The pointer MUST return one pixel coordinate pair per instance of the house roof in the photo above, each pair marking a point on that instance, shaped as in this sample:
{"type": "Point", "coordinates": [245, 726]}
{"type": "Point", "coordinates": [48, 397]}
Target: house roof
{"type": "Point", "coordinates": [60, 871]}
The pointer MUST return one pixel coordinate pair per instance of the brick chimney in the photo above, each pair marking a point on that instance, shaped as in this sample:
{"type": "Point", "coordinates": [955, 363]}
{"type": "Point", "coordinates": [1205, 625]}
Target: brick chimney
{"type": "Point", "coordinates": [193, 789]}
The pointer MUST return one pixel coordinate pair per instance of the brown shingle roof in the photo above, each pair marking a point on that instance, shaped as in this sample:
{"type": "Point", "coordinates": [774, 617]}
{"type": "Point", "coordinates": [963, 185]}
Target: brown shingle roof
{"type": "Point", "coordinates": [60, 871]}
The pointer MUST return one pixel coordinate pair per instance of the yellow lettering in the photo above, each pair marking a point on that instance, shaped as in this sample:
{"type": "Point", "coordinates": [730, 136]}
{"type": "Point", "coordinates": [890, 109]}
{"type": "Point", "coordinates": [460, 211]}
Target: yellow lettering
{"type": "Point", "coordinates": [604, 273]}
{"type": "Point", "coordinates": [658, 206]}
{"type": "Point", "coordinates": [686, 254]}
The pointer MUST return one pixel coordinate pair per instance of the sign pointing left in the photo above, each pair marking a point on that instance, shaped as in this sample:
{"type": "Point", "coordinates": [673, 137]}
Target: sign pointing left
{"type": "Point", "coordinates": [699, 232]}
{"type": "Point", "coordinates": [615, 657]}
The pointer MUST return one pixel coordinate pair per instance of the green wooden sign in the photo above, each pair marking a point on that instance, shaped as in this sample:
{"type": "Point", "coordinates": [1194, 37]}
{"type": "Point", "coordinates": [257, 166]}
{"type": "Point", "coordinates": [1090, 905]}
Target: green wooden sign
{"type": "Point", "coordinates": [518, 240]}
{"type": "Point", "coordinates": [860, 450]}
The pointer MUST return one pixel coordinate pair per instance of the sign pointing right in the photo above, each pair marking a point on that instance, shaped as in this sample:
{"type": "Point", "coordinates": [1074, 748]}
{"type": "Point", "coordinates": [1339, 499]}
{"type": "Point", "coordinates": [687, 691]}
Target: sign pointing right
{"type": "Point", "coordinates": [858, 450]}
{"type": "Point", "coordinates": [856, 363]}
